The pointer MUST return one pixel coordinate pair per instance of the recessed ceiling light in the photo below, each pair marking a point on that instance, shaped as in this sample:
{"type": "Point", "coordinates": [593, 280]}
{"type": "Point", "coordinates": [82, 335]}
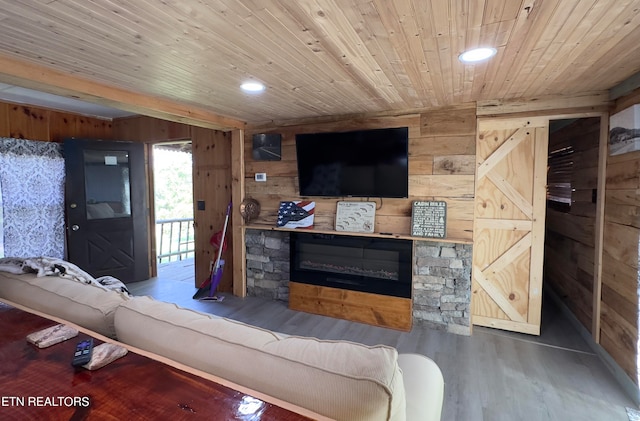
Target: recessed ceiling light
{"type": "Point", "coordinates": [252, 87]}
{"type": "Point", "coordinates": [477, 54]}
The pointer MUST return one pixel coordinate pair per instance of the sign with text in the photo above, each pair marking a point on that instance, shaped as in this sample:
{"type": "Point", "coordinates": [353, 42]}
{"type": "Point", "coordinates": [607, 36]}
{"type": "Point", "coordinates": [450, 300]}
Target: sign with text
{"type": "Point", "coordinates": [355, 216]}
{"type": "Point", "coordinates": [429, 219]}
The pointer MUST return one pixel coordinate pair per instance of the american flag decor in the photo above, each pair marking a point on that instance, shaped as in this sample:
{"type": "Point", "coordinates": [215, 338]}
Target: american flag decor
{"type": "Point", "coordinates": [296, 214]}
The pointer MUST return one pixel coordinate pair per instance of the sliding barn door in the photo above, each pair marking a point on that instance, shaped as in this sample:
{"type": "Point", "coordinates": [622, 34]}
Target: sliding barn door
{"type": "Point", "coordinates": [509, 223]}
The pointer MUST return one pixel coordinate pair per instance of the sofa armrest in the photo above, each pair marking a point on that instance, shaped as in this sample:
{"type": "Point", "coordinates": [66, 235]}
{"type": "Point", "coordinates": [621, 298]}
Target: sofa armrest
{"type": "Point", "coordinates": [424, 387]}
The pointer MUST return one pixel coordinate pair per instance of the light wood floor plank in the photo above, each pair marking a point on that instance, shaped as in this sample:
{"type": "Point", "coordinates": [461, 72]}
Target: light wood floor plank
{"type": "Point", "coordinates": [490, 376]}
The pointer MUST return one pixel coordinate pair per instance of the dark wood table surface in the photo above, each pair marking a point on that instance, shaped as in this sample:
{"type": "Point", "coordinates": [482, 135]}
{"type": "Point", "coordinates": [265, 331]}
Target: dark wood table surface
{"type": "Point", "coordinates": [41, 384]}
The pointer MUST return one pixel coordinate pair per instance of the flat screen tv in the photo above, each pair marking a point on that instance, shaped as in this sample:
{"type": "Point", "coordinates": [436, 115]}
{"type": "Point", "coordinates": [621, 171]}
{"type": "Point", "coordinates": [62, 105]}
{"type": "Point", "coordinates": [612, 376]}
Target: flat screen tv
{"type": "Point", "coordinates": [363, 163]}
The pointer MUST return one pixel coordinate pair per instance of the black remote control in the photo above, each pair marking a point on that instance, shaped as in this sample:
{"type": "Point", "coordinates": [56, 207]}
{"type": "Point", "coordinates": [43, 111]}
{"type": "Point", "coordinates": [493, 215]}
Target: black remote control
{"type": "Point", "coordinates": [82, 354]}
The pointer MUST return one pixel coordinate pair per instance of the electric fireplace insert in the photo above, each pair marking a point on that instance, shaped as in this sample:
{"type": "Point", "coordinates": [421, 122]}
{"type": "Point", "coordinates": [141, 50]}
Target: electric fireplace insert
{"type": "Point", "coordinates": [367, 264]}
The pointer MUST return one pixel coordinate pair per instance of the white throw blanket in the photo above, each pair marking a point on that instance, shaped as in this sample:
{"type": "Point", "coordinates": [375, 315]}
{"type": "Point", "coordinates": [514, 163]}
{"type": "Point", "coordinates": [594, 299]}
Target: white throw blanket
{"type": "Point", "coordinates": [51, 266]}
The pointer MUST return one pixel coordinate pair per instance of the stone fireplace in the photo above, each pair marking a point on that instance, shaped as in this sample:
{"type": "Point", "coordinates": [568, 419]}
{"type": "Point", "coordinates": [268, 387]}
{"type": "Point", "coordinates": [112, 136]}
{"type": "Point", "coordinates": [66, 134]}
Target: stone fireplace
{"type": "Point", "coordinates": [440, 277]}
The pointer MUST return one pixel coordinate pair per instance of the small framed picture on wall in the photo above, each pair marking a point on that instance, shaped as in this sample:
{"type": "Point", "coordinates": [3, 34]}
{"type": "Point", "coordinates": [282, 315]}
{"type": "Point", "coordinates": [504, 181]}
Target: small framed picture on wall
{"type": "Point", "coordinates": [624, 135]}
{"type": "Point", "coordinates": [267, 147]}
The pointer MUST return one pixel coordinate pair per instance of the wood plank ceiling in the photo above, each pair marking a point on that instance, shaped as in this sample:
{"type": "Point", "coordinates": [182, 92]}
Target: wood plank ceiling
{"type": "Point", "coordinates": [326, 57]}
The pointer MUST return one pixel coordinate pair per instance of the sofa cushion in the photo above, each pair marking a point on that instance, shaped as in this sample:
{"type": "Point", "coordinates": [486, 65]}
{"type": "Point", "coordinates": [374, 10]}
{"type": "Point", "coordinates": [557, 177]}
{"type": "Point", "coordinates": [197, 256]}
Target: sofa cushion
{"type": "Point", "coordinates": [87, 305]}
{"type": "Point", "coordinates": [342, 380]}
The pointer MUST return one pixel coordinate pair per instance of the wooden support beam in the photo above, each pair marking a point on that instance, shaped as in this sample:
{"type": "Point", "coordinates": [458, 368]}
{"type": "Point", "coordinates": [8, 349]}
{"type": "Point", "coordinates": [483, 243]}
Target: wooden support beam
{"type": "Point", "coordinates": [599, 227]}
{"type": "Point", "coordinates": [238, 225]}
{"type": "Point", "coordinates": [591, 101]}
{"type": "Point", "coordinates": [32, 76]}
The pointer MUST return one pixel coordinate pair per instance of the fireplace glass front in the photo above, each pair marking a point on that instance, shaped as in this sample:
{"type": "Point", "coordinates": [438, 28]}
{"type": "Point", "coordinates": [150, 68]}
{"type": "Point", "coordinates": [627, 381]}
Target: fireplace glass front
{"type": "Point", "coordinates": [366, 264]}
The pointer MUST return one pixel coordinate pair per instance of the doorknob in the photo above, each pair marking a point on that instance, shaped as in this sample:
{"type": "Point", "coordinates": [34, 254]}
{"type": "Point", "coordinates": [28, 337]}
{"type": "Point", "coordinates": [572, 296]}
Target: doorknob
{"type": "Point", "coordinates": [75, 227]}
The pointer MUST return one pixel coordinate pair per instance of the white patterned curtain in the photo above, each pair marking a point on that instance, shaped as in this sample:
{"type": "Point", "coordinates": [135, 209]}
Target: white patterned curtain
{"type": "Point", "coordinates": [32, 188]}
{"type": "Point", "coordinates": [1, 225]}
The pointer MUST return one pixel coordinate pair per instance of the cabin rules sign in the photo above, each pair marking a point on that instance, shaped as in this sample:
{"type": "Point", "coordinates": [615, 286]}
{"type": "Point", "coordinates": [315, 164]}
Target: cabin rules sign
{"type": "Point", "coordinates": [429, 219]}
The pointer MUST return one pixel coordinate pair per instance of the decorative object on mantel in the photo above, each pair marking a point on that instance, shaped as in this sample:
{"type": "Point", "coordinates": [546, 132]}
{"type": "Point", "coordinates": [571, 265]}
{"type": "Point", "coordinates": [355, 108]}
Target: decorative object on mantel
{"type": "Point", "coordinates": [267, 147]}
{"type": "Point", "coordinates": [296, 214]}
{"type": "Point", "coordinates": [355, 216]}
{"type": "Point", "coordinates": [249, 209]}
{"type": "Point", "coordinates": [429, 219]}
{"type": "Point", "coordinates": [624, 135]}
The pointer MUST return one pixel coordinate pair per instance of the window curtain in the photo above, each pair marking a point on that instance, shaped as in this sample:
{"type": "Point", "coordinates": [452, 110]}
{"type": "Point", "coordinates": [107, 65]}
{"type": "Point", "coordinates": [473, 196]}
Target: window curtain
{"type": "Point", "coordinates": [32, 202]}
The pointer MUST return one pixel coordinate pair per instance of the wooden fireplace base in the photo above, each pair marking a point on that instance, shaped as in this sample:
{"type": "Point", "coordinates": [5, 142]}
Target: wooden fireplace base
{"type": "Point", "coordinates": [373, 309]}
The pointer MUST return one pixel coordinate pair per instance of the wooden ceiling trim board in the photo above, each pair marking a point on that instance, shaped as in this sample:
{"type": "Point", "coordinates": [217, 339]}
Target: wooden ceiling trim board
{"type": "Point", "coordinates": [588, 99]}
{"type": "Point", "coordinates": [38, 77]}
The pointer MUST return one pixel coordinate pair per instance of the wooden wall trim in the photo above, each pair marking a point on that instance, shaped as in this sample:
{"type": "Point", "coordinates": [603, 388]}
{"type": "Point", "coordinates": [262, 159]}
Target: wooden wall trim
{"type": "Point", "coordinates": [44, 79]}
{"type": "Point", "coordinates": [599, 226]}
{"type": "Point", "coordinates": [584, 102]}
{"type": "Point", "coordinates": [238, 232]}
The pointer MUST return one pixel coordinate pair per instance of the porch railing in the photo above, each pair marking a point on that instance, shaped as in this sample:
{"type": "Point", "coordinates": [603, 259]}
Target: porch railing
{"type": "Point", "coordinates": [175, 239]}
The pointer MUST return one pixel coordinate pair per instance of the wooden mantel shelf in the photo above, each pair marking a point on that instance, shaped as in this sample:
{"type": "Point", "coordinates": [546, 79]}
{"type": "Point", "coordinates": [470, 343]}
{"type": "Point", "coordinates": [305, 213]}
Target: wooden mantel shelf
{"type": "Point", "coordinates": [266, 227]}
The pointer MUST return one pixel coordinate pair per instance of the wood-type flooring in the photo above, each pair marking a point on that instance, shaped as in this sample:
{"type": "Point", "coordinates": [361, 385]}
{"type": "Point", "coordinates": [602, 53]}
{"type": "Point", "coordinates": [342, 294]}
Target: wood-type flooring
{"type": "Point", "coordinates": [490, 376]}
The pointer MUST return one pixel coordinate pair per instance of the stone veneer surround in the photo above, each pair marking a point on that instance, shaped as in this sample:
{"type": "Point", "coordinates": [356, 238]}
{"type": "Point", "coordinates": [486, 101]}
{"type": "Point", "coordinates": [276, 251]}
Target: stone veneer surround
{"type": "Point", "coordinates": [441, 277]}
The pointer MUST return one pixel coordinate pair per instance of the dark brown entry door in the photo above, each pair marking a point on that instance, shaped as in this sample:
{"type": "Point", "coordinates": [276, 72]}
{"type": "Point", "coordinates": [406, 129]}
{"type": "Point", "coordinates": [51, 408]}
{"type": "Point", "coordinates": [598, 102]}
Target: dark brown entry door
{"type": "Point", "coordinates": [106, 208]}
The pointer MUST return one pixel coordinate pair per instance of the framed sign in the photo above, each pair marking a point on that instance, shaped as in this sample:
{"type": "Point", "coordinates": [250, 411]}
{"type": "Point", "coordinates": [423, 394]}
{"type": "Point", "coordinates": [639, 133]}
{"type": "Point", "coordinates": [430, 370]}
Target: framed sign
{"type": "Point", "coordinates": [429, 219]}
{"type": "Point", "coordinates": [355, 216]}
{"type": "Point", "coordinates": [267, 147]}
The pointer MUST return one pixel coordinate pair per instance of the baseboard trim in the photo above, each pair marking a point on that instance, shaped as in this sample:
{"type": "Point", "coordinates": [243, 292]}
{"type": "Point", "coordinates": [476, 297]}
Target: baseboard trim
{"type": "Point", "coordinates": [618, 373]}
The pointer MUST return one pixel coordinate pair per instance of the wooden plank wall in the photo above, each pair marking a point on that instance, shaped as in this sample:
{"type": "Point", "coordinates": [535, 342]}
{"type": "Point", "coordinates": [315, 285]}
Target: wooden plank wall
{"type": "Point", "coordinates": [619, 303]}
{"type": "Point", "coordinates": [570, 238]}
{"type": "Point", "coordinates": [37, 123]}
{"type": "Point", "coordinates": [441, 167]}
{"type": "Point", "coordinates": [212, 184]}
{"type": "Point", "coordinates": [211, 181]}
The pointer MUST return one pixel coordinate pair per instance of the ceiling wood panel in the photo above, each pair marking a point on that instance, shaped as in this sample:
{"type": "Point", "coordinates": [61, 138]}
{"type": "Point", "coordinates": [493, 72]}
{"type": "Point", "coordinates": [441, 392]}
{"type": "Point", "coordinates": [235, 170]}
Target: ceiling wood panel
{"type": "Point", "coordinates": [323, 58]}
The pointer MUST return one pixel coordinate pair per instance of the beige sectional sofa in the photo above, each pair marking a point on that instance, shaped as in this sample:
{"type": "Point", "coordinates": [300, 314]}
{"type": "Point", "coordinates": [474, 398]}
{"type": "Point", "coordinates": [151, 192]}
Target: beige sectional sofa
{"type": "Point", "coordinates": [339, 379]}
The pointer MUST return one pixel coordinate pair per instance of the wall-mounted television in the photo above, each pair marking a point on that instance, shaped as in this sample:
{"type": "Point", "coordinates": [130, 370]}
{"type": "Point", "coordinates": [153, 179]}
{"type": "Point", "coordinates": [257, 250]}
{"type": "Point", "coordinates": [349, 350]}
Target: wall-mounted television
{"type": "Point", "coordinates": [363, 163]}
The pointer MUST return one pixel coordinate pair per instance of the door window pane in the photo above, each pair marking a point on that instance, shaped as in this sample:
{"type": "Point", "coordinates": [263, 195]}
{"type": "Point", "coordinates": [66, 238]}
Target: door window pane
{"type": "Point", "coordinates": [107, 185]}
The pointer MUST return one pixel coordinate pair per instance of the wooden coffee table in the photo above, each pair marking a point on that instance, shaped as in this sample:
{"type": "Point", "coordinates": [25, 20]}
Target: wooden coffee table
{"type": "Point", "coordinates": [41, 384]}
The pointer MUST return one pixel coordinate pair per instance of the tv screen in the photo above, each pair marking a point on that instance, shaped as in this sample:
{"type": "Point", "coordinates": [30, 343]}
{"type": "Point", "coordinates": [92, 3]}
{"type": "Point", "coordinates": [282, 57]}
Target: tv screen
{"type": "Point", "coordinates": [363, 163]}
